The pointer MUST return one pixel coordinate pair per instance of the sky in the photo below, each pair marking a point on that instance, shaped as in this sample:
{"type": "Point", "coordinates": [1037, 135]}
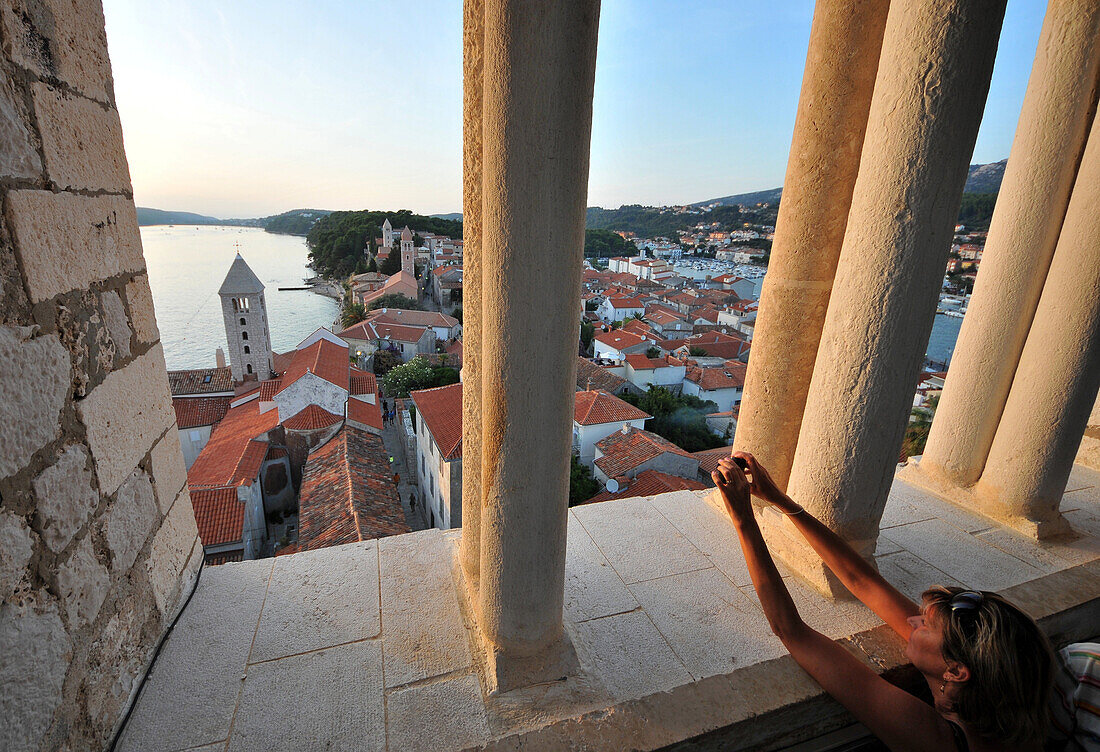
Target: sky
{"type": "Point", "coordinates": [249, 108]}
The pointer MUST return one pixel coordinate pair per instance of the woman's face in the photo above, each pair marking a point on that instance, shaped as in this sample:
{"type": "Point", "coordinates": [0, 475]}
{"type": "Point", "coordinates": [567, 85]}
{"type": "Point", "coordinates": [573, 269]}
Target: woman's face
{"type": "Point", "coordinates": [925, 648]}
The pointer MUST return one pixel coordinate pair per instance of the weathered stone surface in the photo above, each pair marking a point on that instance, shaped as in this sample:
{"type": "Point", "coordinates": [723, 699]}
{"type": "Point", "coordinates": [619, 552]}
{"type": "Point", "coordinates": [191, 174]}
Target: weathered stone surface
{"type": "Point", "coordinates": [415, 715]}
{"type": "Point", "coordinates": [911, 575]}
{"type": "Point", "coordinates": [592, 587]}
{"type": "Point", "coordinates": [68, 242]}
{"type": "Point", "coordinates": [709, 530]}
{"type": "Point", "coordinates": [16, 547]}
{"type": "Point", "coordinates": [117, 325]}
{"type": "Point", "coordinates": [82, 583]}
{"type": "Point", "coordinates": [140, 298]}
{"type": "Point", "coordinates": [124, 416]}
{"type": "Point", "coordinates": [80, 325]}
{"type": "Point", "coordinates": [130, 520]}
{"type": "Point", "coordinates": [34, 656]}
{"type": "Point", "coordinates": [191, 695]}
{"type": "Point", "coordinates": [18, 155]}
{"type": "Point", "coordinates": [15, 306]}
{"type": "Point", "coordinates": [318, 599]}
{"type": "Point", "coordinates": [330, 699]}
{"type": "Point", "coordinates": [172, 544]}
{"type": "Point", "coordinates": [422, 629]}
{"type": "Point", "coordinates": [169, 472]}
{"type": "Point", "coordinates": [81, 141]}
{"type": "Point", "coordinates": [63, 39]}
{"type": "Point", "coordinates": [116, 658]}
{"type": "Point", "coordinates": [34, 378]}
{"type": "Point", "coordinates": [65, 496]}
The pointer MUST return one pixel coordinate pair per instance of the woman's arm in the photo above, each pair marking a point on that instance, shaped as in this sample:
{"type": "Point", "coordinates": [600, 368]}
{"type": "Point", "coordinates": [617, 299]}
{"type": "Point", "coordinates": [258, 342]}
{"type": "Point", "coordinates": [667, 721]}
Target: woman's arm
{"type": "Point", "coordinates": [897, 718]}
{"type": "Point", "coordinates": [862, 579]}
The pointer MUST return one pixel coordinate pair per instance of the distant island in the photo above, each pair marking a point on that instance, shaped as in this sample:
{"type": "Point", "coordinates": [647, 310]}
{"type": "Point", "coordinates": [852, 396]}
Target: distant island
{"type": "Point", "coordinates": [293, 222]}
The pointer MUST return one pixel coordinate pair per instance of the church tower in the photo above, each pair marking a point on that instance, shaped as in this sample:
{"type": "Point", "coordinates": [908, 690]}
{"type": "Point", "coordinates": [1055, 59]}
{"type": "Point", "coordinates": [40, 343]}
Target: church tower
{"type": "Point", "coordinates": [245, 315]}
{"type": "Point", "coordinates": [408, 253]}
{"type": "Point", "coordinates": [387, 234]}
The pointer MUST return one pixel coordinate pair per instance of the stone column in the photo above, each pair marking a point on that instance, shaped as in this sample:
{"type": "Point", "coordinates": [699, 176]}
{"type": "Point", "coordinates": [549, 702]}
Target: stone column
{"type": "Point", "coordinates": [539, 70]}
{"type": "Point", "coordinates": [841, 64]}
{"type": "Point", "coordinates": [473, 39]}
{"type": "Point", "coordinates": [937, 58]}
{"type": "Point", "coordinates": [1054, 123]}
{"type": "Point", "coordinates": [1056, 381]}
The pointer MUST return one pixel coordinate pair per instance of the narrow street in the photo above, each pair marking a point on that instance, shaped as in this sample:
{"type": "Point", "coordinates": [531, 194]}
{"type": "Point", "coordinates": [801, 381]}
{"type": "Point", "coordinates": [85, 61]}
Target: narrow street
{"type": "Point", "coordinates": [393, 437]}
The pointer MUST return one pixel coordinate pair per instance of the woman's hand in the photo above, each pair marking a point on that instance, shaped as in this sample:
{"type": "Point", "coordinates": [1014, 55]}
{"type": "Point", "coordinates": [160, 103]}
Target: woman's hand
{"type": "Point", "coordinates": [735, 488]}
{"type": "Point", "coordinates": [763, 487]}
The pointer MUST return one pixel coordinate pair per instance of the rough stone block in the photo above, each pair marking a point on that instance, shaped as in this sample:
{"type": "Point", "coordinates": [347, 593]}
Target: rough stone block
{"type": "Point", "coordinates": [117, 325]}
{"type": "Point", "coordinates": [67, 242]}
{"type": "Point", "coordinates": [116, 658]}
{"type": "Point", "coordinates": [81, 141]}
{"type": "Point", "coordinates": [124, 416]}
{"type": "Point", "coordinates": [82, 582]}
{"type": "Point", "coordinates": [172, 545]}
{"type": "Point", "coordinates": [66, 498]}
{"type": "Point", "coordinates": [34, 380]}
{"type": "Point", "coordinates": [63, 39]}
{"type": "Point", "coordinates": [142, 314]}
{"type": "Point", "coordinates": [34, 657]}
{"type": "Point", "coordinates": [130, 520]}
{"type": "Point", "coordinates": [16, 547]}
{"type": "Point", "coordinates": [191, 696]}
{"type": "Point", "coordinates": [318, 599]}
{"type": "Point", "coordinates": [422, 628]}
{"type": "Point", "coordinates": [330, 699]}
{"type": "Point", "coordinates": [15, 306]}
{"type": "Point", "coordinates": [18, 154]}
{"type": "Point", "coordinates": [416, 714]}
{"type": "Point", "coordinates": [169, 471]}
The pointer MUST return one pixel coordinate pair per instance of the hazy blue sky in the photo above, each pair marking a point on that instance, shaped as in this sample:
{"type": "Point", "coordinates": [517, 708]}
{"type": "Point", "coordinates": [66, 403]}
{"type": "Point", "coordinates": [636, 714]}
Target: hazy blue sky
{"type": "Point", "coordinates": [251, 108]}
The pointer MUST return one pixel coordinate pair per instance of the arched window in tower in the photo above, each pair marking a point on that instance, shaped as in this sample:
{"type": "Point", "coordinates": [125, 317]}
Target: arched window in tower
{"type": "Point", "coordinates": [244, 336]}
{"type": "Point", "coordinates": [247, 350]}
{"type": "Point", "coordinates": [249, 368]}
{"type": "Point", "coordinates": [235, 306]}
{"type": "Point", "coordinates": [242, 322]}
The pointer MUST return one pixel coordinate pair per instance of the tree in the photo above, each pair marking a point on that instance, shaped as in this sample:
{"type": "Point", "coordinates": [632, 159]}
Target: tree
{"type": "Point", "coordinates": [582, 486]}
{"type": "Point", "coordinates": [653, 352]}
{"type": "Point", "coordinates": [372, 265]}
{"type": "Point", "coordinates": [394, 300]}
{"type": "Point", "coordinates": [457, 313]}
{"type": "Point", "coordinates": [696, 351]}
{"type": "Point", "coordinates": [384, 361]}
{"type": "Point", "coordinates": [680, 418]}
{"type": "Point", "coordinates": [920, 424]}
{"type": "Point", "coordinates": [591, 305]}
{"type": "Point", "coordinates": [418, 373]}
{"type": "Point", "coordinates": [391, 264]}
{"type": "Point", "coordinates": [588, 334]}
{"type": "Point", "coordinates": [352, 313]}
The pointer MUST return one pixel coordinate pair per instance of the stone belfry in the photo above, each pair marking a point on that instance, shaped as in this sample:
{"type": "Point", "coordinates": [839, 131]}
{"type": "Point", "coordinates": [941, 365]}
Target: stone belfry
{"type": "Point", "coordinates": [408, 253]}
{"type": "Point", "coordinates": [245, 315]}
{"type": "Point", "coordinates": [387, 234]}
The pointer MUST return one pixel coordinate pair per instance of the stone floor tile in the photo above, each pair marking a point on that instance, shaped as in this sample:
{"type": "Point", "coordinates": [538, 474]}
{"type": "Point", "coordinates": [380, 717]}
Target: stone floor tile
{"type": "Point", "coordinates": [911, 574]}
{"type": "Point", "coordinates": [1085, 521]}
{"type": "Point", "coordinates": [629, 655]}
{"type": "Point", "coordinates": [886, 546]}
{"type": "Point", "coordinates": [592, 586]}
{"type": "Point", "coordinates": [710, 624]}
{"type": "Point", "coordinates": [835, 619]}
{"type": "Point", "coordinates": [1082, 477]}
{"type": "Point", "coordinates": [190, 695]}
{"type": "Point", "coordinates": [1083, 498]}
{"type": "Point", "coordinates": [318, 599]}
{"type": "Point", "coordinates": [903, 506]}
{"type": "Point", "coordinates": [971, 561]}
{"type": "Point", "coordinates": [708, 529]}
{"type": "Point", "coordinates": [638, 541]}
{"type": "Point", "coordinates": [327, 699]}
{"type": "Point", "coordinates": [1048, 556]}
{"type": "Point", "coordinates": [443, 715]}
{"type": "Point", "coordinates": [422, 630]}
{"type": "Point", "coordinates": [927, 505]}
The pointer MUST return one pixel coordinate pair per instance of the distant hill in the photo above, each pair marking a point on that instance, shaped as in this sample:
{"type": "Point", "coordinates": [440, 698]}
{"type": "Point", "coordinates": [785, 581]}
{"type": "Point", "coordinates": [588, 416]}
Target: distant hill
{"type": "Point", "coordinates": [745, 199]}
{"type": "Point", "coordinates": [147, 216]}
{"type": "Point", "coordinates": [453, 215]}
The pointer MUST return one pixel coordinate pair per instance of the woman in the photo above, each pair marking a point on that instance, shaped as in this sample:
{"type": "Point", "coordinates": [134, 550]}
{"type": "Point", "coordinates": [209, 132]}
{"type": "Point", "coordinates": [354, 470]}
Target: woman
{"type": "Point", "coordinates": [987, 664]}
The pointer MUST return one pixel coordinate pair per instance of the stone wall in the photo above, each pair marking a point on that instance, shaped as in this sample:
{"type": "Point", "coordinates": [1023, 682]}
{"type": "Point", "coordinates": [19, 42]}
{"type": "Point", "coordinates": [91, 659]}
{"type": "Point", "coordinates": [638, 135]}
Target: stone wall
{"type": "Point", "coordinates": [98, 544]}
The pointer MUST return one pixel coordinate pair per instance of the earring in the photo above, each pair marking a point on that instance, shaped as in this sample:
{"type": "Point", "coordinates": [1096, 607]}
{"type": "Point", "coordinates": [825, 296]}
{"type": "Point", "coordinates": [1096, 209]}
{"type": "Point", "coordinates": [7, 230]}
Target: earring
{"type": "Point", "coordinates": [943, 686]}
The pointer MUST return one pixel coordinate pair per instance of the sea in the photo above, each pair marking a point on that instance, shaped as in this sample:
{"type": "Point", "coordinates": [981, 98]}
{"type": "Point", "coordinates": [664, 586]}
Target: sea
{"type": "Point", "coordinates": [187, 264]}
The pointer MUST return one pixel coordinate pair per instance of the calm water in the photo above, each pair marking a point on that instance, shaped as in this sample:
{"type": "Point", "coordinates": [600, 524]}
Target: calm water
{"type": "Point", "coordinates": [945, 330]}
{"type": "Point", "coordinates": [186, 267]}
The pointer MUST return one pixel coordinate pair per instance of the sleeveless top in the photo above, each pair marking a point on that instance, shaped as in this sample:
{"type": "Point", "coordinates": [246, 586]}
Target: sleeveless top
{"type": "Point", "coordinates": [960, 737]}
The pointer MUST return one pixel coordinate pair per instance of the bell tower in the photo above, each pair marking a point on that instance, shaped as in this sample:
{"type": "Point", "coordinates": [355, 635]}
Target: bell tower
{"type": "Point", "coordinates": [408, 253]}
{"type": "Point", "coordinates": [246, 332]}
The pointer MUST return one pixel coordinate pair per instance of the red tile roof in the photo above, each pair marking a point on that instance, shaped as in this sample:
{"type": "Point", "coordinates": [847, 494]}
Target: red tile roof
{"type": "Point", "coordinates": [230, 455]}
{"type": "Point", "coordinates": [323, 358]}
{"type": "Point", "coordinates": [591, 376]}
{"type": "Point", "coordinates": [625, 451]}
{"type": "Point", "coordinates": [311, 418]}
{"type": "Point", "coordinates": [728, 376]}
{"type": "Point", "coordinates": [269, 388]}
{"type": "Point", "coordinates": [348, 493]}
{"type": "Point", "coordinates": [663, 318]}
{"type": "Point", "coordinates": [642, 362]}
{"type": "Point", "coordinates": [639, 327]}
{"type": "Point", "coordinates": [708, 458]}
{"type": "Point", "coordinates": [290, 548]}
{"type": "Point", "coordinates": [650, 483]}
{"type": "Point", "coordinates": [441, 410]}
{"type": "Point", "coordinates": [410, 318]}
{"type": "Point", "coordinates": [219, 515]}
{"type": "Point", "coordinates": [596, 407]}
{"type": "Point", "coordinates": [200, 381]}
{"type": "Point", "coordinates": [363, 383]}
{"type": "Point", "coordinates": [619, 339]}
{"type": "Point", "coordinates": [626, 303]}
{"type": "Point", "coordinates": [192, 412]}
{"type": "Point", "coordinates": [364, 412]}
{"type": "Point", "coordinates": [376, 330]}
{"type": "Point", "coordinates": [281, 361]}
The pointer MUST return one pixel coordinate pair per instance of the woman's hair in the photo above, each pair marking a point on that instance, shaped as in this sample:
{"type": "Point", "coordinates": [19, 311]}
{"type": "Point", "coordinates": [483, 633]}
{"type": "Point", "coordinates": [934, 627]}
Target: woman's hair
{"type": "Point", "coordinates": [1010, 661]}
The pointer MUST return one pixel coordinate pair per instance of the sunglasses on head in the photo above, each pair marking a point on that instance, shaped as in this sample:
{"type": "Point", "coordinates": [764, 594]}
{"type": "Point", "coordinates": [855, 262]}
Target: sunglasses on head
{"type": "Point", "coordinates": [967, 600]}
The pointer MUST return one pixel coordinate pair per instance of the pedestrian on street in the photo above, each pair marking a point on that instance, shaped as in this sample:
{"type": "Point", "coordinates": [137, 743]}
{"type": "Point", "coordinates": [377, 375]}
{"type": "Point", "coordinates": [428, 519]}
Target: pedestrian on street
{"type": "Point", "coordinates": [396, 478]}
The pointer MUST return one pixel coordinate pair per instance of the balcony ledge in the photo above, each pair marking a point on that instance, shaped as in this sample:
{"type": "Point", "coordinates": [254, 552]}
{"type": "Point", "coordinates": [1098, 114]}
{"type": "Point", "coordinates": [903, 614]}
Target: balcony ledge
{"type": "Point", "coordinates": [366, 646]}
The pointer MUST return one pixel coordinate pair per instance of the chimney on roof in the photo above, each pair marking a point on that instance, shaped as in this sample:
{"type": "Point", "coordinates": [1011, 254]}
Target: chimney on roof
{"type": "Point", "coordinates": [219, 357]}
{"type": "Point", "coordinates": [625, 429]}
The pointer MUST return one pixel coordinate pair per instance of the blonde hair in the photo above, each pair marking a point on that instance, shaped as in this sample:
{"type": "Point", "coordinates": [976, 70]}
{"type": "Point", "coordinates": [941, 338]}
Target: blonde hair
{"type": "Point", "coordinates": [1010, 661]}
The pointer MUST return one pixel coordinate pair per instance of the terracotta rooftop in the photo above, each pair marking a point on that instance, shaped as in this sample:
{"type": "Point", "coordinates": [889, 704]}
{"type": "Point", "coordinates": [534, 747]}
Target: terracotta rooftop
{"type": "Point", "coordinates": [219, 515]}
{"type": "Point", "coordinates": [323, 358]}
{"type": "Point", "coordinates": [411, 318]}
{"type": "Point", "coordinates": [269, 388]}
{"type": "Point", "coordinates": [619, 339]}
{"type": "Point", "coordinates": [192, 412]}
{"type": "Point", "coordinates": [591, 376]}
{"type": "Point", "coordinates": [639, 327]}
{"type": "Point", "coordinates": [231, 456]}
{"type": "Point", "coordinates": [596, 407]}
{"type": "Point", "coordinates": [363, 382]}
{"type": "Point", "coordinates": [729, 376]}
{"type": "Point", "coordinates": [378, 330]}
{"type": "Point", "coordinates": [311, 418]}
{"type": "Point", "coordinates": [200, 381]}
{"type": "Point", "coordinates": [626, 303]}
{"type": "Point", "coordinates": [281, 361]}
{"type": "Point", "coordinates": [708, 458]}
{"type": "Point", "coordinates": [642, 362]}
{"type": "Point", "coordinates": [661, 317]}
{"type": "Point", "coordinates": [361, 411]}
{"type": "Point", "coordinates": [649, 483]}
{"type": "Point", "coordinates": [625, 451]}
{"type": "Point", "coordinates": [347, 493]}
{"type": "Point", "coordinates": [441, 410]}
